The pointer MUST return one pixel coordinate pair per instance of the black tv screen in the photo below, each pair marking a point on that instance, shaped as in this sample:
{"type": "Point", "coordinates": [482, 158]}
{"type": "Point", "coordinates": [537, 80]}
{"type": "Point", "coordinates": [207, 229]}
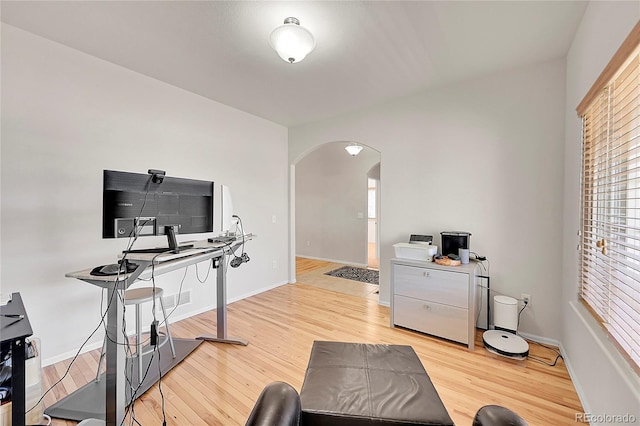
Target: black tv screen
{"type": "Point", "coordinates": [139, 204]}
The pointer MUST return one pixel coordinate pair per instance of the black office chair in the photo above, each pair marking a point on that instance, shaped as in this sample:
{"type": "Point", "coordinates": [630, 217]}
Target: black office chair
{"type": "Point", "coordinates": [277, 405]}
{"type": "Point", "coordinates": [495, 415]}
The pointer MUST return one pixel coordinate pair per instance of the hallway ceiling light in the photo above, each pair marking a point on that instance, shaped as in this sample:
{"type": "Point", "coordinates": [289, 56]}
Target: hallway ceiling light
{"type": "Point", "coordinates": [291, 41]}
{"type": "Point", "coordinates": [354, 149]}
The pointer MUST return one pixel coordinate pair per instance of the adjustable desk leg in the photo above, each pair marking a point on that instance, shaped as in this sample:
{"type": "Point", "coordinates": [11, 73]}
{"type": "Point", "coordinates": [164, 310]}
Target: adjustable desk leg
{"type": "Point", "coordinates": [116, 359]}
{"type": "Point", "coordinates": [18, 381]}
{"type": "Point", "coordinates": [221, 309]}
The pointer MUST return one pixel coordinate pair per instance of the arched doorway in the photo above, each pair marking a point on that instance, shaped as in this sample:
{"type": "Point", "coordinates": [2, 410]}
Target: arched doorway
{"type": "Point", "coordinates": [329, 202]}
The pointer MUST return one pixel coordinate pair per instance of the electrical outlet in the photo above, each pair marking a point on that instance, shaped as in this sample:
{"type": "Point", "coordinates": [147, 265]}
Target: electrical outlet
{"type": "Point", "coordinates": [274, 264]}
{"type": "Point", "coordinates": [526, 298]}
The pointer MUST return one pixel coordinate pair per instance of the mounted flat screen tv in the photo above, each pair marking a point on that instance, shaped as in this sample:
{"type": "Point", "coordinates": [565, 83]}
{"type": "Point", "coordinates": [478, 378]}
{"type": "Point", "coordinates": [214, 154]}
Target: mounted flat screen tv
{"type": "Point", "coordinates": [136, 204]}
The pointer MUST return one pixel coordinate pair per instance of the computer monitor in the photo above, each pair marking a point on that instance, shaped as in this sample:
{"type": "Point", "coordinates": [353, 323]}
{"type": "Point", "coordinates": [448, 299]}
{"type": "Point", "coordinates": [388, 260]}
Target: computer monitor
{"type": "Point", "coordinates": [136, 204]}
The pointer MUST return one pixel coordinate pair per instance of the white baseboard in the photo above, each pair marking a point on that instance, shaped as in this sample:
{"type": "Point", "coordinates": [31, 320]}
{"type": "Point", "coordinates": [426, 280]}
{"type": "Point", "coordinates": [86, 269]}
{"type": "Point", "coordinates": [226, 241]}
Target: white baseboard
{"type": "Point", "coordinates": [567, 362]}
{"type": "Point", "coordinates": [344, 262]}
{"type": "Point", "coordinates": [540, 339]}
{"type": "Point", "coordinates": [574, 379]}
{"type": "Point", "coordinates": [258, 291]}
{"type": "Point", "coordinates": [96, 345]}
{"type": "Point", "coordinates": [67, 355]}
{"type": "Point", "coordinates": [629, 380]}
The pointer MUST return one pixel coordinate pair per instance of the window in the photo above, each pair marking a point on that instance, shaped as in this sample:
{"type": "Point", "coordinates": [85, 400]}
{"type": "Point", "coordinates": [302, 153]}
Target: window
{"type": "Point", "coordinates": [610, 237]}
{"type": "Point", "coordinates": [371, 210]}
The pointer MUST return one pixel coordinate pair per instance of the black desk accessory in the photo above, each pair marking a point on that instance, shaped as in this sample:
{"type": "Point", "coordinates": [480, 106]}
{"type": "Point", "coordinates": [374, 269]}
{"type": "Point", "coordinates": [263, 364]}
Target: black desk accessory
{"type": "Point", "coordinates": [222, 239]}
{"type": "Point", "coordinates": [107, 398]}
{"type": "Point", "coordinates": [14, 331]}
{"type": "Point", "coordinates": [122, 267]}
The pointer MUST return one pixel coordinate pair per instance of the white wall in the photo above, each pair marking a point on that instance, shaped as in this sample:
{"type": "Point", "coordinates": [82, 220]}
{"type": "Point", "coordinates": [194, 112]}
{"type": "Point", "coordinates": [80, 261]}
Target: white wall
{"type": "Point", "coordinates": [331, 191]}
{"type": "Point", "coordinates": [605, 382]}
{"type": "Point", "coordinates": [66, 116]}
{"type": "Point", "coordinates": [485, 156]}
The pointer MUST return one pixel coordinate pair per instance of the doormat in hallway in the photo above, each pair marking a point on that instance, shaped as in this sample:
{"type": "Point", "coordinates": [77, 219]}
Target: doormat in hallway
{"type": "Point", "coordinates": [357, 274]}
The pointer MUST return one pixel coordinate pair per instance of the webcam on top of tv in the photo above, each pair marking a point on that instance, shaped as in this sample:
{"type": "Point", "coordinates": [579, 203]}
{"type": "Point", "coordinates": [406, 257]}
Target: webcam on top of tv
{"type": "Point", "coordinates": [157, 176]}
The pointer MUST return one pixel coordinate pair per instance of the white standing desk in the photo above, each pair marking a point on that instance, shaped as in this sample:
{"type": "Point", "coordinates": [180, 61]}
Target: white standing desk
{"type": "Point", "coordinates": [148, 265]}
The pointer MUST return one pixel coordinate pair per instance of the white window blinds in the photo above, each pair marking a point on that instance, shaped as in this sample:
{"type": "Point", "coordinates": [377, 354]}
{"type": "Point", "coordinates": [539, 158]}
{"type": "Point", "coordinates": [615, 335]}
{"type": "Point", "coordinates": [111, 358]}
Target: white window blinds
{"type": "Point", "coordinates": [610, 238]}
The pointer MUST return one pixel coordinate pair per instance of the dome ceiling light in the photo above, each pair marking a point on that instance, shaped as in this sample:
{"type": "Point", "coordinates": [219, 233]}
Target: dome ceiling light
{"type": "Point", "coordinates": [291, 41]}
{"type": "Point", "coordinates": [353, 149]}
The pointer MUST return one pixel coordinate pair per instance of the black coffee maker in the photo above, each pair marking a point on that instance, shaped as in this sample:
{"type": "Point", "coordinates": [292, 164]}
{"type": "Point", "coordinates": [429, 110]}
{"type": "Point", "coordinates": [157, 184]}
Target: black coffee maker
{"type": "Point", "coordinates": [451, 241]}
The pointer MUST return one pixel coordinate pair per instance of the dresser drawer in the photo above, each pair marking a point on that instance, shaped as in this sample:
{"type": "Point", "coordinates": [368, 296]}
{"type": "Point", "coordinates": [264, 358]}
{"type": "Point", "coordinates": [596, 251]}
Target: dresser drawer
{"type": "Point", "coordinates": [449, 288]}
{"type": "Point", "coordinates": [433, 318]}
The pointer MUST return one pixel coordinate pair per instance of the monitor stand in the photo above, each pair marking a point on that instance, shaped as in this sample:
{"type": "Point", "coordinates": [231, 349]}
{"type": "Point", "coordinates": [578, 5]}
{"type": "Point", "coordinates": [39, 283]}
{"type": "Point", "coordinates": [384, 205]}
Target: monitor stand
{"type": "Point", "coordinates": [170, 231]}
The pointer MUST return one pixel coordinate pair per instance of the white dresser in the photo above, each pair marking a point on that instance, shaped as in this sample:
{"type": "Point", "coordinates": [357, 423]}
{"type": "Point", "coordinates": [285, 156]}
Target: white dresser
{"type": "Point", "coordinates": [434, 299]}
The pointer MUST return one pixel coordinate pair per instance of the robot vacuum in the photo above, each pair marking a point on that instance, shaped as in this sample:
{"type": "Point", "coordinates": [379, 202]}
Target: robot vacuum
{"type": "Point", "coordinates": [503, 340]}
{"type": "Point", "coordinates": [505, 343]}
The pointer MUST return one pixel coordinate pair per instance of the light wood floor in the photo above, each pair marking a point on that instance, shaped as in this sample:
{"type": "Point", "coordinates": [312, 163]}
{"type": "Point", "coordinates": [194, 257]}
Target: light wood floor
{"type": "Point", "coordinates": [372, 259]}
{"type": "Point", "coordinates": [312, 272]}
{"type": "Point", "coordinates": [218, 384]}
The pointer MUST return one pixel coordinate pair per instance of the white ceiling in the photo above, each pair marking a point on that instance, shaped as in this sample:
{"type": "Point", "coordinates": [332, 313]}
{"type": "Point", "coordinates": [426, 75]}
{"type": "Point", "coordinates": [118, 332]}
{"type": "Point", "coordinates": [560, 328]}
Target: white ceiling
{"type": "Point", "coordinates": [366, 52]}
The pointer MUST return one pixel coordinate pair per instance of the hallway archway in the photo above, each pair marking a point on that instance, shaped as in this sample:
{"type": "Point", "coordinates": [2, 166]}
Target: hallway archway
{"type": "Point", "coordinates": [329, 204]}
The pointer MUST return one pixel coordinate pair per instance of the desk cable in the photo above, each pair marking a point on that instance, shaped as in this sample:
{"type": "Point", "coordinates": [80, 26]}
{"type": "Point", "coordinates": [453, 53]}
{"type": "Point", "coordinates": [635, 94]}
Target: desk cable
{"type": "Point", "coordinates": [75, 357]}
{"type": "Point", "coordinates": [198, 278]}
{"type": "Point", "coordinates": [101, 322]}
{"type": "Point", "coordinates": [244, 257]}
{"type": "Point", "coordinates": [156, 348]}
{"type": "Point", "coordinates": [128, 377]}
{"type": "Point", "coordinates": [130, 410]}
{"type": "Point", "coordinates": [486, 275]}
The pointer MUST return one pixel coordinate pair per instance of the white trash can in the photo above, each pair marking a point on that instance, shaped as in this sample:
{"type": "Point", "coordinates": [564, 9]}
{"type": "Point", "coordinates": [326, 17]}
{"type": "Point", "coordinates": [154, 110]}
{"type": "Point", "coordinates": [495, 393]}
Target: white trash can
{"type": "Point", "coordinates": [505, 313]}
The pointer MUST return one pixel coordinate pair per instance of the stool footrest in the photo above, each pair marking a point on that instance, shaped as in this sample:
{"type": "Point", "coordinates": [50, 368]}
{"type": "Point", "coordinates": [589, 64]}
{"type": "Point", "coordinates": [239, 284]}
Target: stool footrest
{"type": "Point", "coordinates": [137, 297]}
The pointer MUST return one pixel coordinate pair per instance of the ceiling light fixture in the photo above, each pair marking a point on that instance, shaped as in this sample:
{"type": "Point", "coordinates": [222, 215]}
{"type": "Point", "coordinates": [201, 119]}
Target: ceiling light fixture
{"type": "Point", "coordinates": [354, 149]}
{"type": "Point", "coordinates": [291, 41]}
